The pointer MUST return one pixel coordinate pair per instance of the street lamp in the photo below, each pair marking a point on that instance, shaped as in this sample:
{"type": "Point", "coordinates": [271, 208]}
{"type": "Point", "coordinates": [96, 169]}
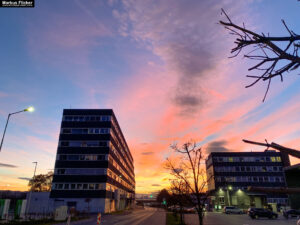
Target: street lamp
{"type": "Point", "coordinates": [29, 109]}
{"type": "Point", "coordinates": [30, 192]}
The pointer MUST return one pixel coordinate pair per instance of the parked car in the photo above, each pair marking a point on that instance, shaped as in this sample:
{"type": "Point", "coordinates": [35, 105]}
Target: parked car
{"type": "Point", "coordinates": [291, 213]}
{"type": "Point", "coordinates": [255, 213]}
{"type": "Point", "coordinates": [190, 210]}
{"type": "Point", "coordinates": [232, 210]}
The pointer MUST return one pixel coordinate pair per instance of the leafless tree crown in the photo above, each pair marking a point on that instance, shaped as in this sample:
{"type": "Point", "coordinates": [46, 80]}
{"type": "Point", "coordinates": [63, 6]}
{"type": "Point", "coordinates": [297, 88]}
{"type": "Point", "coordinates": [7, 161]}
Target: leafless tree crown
{"type": "Point", "coordinates": [275, 56]}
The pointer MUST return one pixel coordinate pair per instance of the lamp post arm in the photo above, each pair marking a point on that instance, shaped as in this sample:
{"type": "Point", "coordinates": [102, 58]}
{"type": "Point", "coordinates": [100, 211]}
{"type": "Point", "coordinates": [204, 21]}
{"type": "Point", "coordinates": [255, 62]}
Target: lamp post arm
{"type": "Point", "coordinates": [6, 125]}
{"type": "Point", "coordinates": [4, 131]}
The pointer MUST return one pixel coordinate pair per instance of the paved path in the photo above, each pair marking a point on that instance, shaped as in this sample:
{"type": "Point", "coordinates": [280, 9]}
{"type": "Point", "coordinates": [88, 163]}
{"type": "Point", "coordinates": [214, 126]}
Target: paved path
{"type": "Point", "coordinates": [147, 216]}
{"type": "Point", "coordinates": [224, 219]}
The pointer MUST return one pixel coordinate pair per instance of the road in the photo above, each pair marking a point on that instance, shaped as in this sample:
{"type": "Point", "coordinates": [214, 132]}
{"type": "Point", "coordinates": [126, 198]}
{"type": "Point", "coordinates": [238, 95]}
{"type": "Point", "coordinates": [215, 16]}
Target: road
{"type": "Point", "coordinates": [147, 216]}
{"type": "Point", "coordinates": [212, 218]}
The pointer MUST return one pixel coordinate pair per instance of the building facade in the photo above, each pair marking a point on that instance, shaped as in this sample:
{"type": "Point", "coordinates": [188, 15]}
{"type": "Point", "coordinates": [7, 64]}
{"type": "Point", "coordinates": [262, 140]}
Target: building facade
{"type": "Point", "coordinates": [292, 174]}
{"type": "Point", "coordinates": [231, 173]}
{"type": "Point", "coordinates": [94, 168]}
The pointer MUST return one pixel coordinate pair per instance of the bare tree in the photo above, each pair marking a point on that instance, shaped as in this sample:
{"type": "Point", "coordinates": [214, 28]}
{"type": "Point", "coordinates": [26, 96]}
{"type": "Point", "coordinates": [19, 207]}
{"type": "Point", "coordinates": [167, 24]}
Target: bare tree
{"type": "Point", "coordinates": [275, 56]}
{"type": "Point", "coordinates": [190, 172]}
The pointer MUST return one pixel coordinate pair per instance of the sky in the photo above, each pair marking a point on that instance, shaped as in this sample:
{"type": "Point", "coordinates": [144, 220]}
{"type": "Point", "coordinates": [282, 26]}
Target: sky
{"type": "Point", "coordinates": [162, 66]}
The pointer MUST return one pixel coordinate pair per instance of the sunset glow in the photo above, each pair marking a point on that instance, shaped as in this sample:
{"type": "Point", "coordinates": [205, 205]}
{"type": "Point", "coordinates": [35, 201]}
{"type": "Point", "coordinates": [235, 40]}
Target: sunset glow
{"type": "Point", "coordinates": [162, 66]}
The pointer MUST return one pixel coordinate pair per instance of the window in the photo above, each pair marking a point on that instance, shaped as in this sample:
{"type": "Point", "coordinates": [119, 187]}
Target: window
{"type": "Point", "coordinates": [85, 186]}
{"type": "Point", "coordinates": [264, 169]}
{"type": "Point", "coordinates": [66, 131]}
{"type": "Point", "coordinates": [241, 159]}
{"type": "Point", "coordinates": [237, 169]}
{"type": "Point", "coordinates": [91, 186]}
{"type": "Point", "coordinates": [275, 168]}
{"type": "Point", "coordinates": [230, 159]}
{"type": "Point", "coordinates": [73, 157]}
{"type": "Point", "coordinates": [273, 159]}
{"type": "Point", "coordinates": [62, 157]}
{"type": "Point", "coordinates": [248, 169]}
{"type": "Point", "coordinates": [242, 168]}
{"type": "Point", "coordinates": [66, 186]}
{"type": "Point", "coordinates": [266, 179]}
{"type": "Point", "coordinates": [268, 159]}
{"type": "Point", "coordinates": [73, 186]}
{"type": "Point", "coordinates": [60, 186]}
{"type": "Point", "coordinates": [277, 179]}
{"type": "Point", "coordinates": [260, 179]}
{"type": "Point", "coordinates": [64, 143]}
{"type": "Point", "coordinates": [278, 159]}
{"type": "Point", "coordinates": [79, 186]}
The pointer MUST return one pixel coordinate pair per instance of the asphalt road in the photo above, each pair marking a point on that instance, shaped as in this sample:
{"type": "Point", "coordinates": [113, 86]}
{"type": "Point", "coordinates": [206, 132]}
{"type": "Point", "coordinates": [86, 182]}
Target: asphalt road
{"type": "Point", "coordinates": [147, 216]}
{"type": "Point", "coordinates": [212, 218]}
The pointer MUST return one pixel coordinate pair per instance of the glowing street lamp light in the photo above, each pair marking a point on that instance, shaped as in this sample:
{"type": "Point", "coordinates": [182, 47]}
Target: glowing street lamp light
{"type": "Point", "coordinates": [29, 109]}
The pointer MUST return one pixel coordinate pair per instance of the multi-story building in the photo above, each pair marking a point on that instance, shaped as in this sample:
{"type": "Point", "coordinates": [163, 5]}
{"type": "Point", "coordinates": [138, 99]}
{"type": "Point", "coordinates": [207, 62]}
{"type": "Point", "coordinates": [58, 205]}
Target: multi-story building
{"type": "Point", "coordinates": [231, 173]}
{"type": "Point", "coordinates": [94, 168]}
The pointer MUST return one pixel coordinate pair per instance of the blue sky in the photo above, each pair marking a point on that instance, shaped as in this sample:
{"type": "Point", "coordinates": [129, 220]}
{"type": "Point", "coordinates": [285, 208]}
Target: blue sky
{"type": "Point", "coordinates": [144, 59]}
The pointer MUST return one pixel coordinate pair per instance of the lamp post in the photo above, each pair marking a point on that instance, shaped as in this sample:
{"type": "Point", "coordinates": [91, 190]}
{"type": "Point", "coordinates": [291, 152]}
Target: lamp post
{"type": "Point", "coordinates": [29, 109]}
{"type": "Point", "coordinates": [29, 197]}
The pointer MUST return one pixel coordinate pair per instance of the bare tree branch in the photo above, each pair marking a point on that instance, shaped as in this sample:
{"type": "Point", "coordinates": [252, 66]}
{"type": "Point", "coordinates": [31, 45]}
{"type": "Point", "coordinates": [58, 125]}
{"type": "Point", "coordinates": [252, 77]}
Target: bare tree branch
{"type": "Point", "coordinates": [273, 60]}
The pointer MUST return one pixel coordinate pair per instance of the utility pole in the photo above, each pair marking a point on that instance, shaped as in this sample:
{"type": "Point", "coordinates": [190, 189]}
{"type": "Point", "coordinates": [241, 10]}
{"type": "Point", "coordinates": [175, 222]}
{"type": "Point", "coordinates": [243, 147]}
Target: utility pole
{"type": "Point", "coordinates": [30, 193]}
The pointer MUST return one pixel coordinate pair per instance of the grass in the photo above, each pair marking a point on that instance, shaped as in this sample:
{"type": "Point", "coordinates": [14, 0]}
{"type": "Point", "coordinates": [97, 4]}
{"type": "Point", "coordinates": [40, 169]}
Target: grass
{"type": "Point", "coordinates": [173, 220]}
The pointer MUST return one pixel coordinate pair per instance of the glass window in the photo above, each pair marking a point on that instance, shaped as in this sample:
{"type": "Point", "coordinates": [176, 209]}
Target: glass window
{"type": "Point", "coordinates": [277, 179]}
{"type": "Point", "coordinates": [260, 179]}
{"type": "Point", "coordinates": [93, 143]}
{"type": "Point", "coordinates": [91, 186]}
{"type": "Point", "coordinates": [93, 118]}
{"type": "Point", "coordinates": [73, 186]}
{"type": "Point", "coordinates": [268, 159]}
{"type": "Point", "coordinates": [66, 186]}
{"type": "Point", "coordinates": [60, 186]}
{"type": "Point", "coordinates": [264, 169]}
{"type": "Point", "coordinates": [241, 159]}
{"type": "Point", "coordinates": [75, 118]}
{"type": "Point", "coordinates": [273, 159]}
{"type": "Point", "coordinates": [237, 169]}
{"type": "Point", "coordinates": [74, 143]}
{"type": "Point", "coordinates": [68, 118]}
{"type": "Point", "coordinates": [85, 186]}
{"type": "Point", "coordinates": [81, 118]}
{"type": "Point", "coordinates": [73, 157]}
{"type": "Point", "coordinates": [248, 169]}
{"type": "Point", "coordinates": [254, 179]}
{"type": "Point", "coordinates": [64, 143]}
{"type": "Point", "coordinates": [62, 157]}
{"type": "Point", "coordinates": [274, 168]}
{"type": "Point", "coordinates": [278, 159]}
{"type": "Point", "coordinates": [242, 168]}
{"type": "Point", "coordinates": [66, 131]}
{"type": "Point", "coordinates": [230, 159]}
{"type": "Point", "coordinates": [266, 179]}
{"type": "Point", "coordinates": [79, 186]}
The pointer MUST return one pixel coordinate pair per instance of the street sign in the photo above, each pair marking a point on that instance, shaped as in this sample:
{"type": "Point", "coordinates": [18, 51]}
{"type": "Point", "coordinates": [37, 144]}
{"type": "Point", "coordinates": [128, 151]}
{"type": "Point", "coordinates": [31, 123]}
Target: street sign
{"type": "Point", "coordinates": [99, 218]}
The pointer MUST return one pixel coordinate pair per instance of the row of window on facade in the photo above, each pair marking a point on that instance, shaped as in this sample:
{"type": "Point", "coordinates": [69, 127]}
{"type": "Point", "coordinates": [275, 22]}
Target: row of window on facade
{"type": "Point", "coordinates": [283, 201]}
{"type": "Point", "coordinates": [81, 186]}
{"type": "Point", "coordinates": [85, 130]}
{"type": "Point", "coordinates": [122, 159]}
{"type": "Point", "coordinates": [80, 118]}
{"type": "Point", "coordinates": [248, 168]}
{"type": "Point", "coordinates": [247, 159]}
{"type": "Point", "coordinates": [121, 138]}
{"type": "Point", "coordinates": [82, 157]}
{"type": "Point", "coordinates": [80, 171]}
{"type": "Point", "coordinates": [250, 179]}
{"type": "Point", "coordinates": [118, 167]}
{"type": "Point", "coordinates": [123, 148]}
{"type": "Point", "coordinates": [120, 180]}
{"type": "Point", "coordinates": [83, 143]}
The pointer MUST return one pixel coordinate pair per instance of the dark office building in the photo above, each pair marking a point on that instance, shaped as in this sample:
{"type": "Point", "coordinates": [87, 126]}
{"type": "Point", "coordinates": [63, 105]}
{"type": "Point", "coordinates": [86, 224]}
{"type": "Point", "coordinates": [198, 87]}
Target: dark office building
{"type": "Point", "coordinates": [292, 174]}
{"type": "Point", "coordinates": [233, 172]}
{"type": "Point", "coordinates": [94, 167]}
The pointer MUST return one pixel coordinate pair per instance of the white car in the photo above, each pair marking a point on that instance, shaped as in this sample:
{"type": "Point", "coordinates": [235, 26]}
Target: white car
{"type": "Point", "coordinates": [232, 210]}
